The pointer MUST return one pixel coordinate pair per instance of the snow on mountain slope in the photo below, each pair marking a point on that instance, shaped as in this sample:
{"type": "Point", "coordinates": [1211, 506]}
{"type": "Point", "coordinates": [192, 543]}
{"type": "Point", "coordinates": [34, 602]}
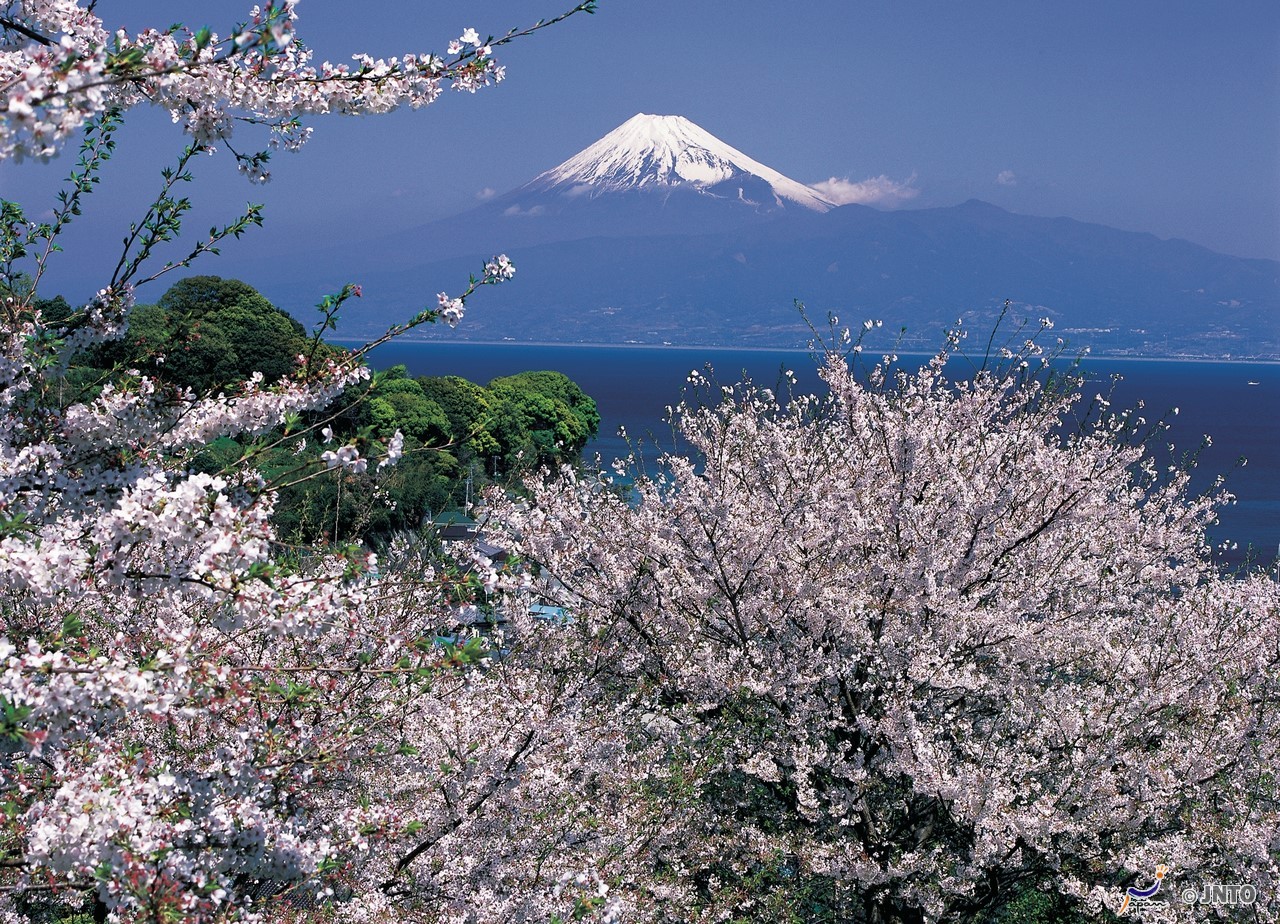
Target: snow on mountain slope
{"type": "Point", "coordinates": [656, 152]}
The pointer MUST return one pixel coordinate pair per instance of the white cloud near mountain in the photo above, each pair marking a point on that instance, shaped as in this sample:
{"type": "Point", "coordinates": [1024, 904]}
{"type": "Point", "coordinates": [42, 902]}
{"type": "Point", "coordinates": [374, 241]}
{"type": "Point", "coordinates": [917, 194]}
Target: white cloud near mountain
{"type": "Point", "coordinates": [876, 190]}
{"type": "Point", "coordinates": [1007, 178]}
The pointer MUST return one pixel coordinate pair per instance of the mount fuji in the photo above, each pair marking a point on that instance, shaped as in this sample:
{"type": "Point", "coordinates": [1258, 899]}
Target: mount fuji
{"type": "Point", "coordinates": [662, 233]}
{"type": "Point", "coordinates": [670, 155]}
{"type": "Point", "coordinates": [652, 175]}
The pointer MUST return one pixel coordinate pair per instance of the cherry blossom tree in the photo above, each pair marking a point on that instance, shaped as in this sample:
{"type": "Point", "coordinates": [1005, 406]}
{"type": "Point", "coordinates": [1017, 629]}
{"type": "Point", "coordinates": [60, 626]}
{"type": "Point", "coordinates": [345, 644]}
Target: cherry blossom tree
{"type": "Point", "coordinates": [909, 650]}
{"type": "Point", "coordinates": [195, 723]}
{"type": "Point", "coordinates": [895, 654]}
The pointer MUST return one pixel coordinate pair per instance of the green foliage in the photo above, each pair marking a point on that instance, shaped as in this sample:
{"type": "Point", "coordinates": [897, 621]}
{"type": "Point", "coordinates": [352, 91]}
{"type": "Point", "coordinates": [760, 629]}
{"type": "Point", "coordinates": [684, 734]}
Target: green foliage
{"type": "Point", "coordinates": [197, 296]}
{"type": "Point", "coordinates": [519, 421]}
{"type": "Point", "coordinates": [11, 719]}
{"type": "Point", "coordinates": [1037, 906]}
{"type": "Point", "coordinates": [209, 334]}
{"type": "Point", "coordinates": [336, 505]}
{"type": "Point", "coordinates": [468, 407]}
{"type": "Point", "coordinates": [400, 403]}
{"type": "Point", "coordinates": [546, 417]}
{"type": "Point", "coordinates": [54, 310]}
{"type": "Point", "coordinates": [216, 332]}
{"type": "Point", "coordinates": [220, 455]}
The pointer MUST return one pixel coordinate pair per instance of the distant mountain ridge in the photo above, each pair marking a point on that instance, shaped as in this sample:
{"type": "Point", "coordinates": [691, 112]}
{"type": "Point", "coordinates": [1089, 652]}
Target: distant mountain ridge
{"type": "Point", "coordinates": [661, 233]}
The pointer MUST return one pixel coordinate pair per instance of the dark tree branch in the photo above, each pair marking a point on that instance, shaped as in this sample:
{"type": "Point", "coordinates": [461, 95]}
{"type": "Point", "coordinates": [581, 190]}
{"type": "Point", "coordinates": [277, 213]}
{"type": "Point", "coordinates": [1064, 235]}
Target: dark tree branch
{"type": "Point", "coordinates": [23, 30]}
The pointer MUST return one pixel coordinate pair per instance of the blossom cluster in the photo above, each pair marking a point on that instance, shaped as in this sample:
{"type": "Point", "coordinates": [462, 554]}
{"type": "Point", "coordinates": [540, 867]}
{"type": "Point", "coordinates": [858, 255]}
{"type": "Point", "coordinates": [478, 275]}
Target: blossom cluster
{"type": "Point", "coordinates": [199, 722]}
{"type": "Point", "coordinates": [60, 67]}
{"type": "Point", "coordinates": [450, 309]}
{"type": "Point", "coordinates": [499, 269]}
{"type": "Point", "coordinates": [909, 647]}
{"type": "Point", "coordinates": [196, 726]}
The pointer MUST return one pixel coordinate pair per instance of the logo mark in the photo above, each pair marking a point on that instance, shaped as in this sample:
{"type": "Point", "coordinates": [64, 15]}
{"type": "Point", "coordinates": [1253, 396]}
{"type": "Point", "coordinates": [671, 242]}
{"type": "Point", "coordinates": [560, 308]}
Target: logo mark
{"type": "Point", "coordinates": [1143, 894]}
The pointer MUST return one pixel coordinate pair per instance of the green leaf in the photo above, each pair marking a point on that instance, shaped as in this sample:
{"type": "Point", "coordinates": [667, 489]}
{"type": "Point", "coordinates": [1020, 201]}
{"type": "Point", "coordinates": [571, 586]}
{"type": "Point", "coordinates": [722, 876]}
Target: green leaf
{"type": "Point", "coordinates": [11, 719]}
{"type": "Point", "coordinates": [72, 625]}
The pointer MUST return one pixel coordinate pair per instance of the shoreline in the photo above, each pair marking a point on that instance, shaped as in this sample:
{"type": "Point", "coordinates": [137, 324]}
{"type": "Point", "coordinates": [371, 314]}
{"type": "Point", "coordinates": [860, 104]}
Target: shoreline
{"type": "Point", "coordinates": [801, 351]}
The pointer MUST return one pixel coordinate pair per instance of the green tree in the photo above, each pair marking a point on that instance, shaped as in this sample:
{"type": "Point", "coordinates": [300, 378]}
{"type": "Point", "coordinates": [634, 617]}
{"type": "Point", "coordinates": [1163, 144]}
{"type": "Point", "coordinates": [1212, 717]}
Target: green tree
{"type": "Point", "coordinates": [340, 506]}
{"type": "Point", "coordinates": [207, 333]}
{"type": "Point", "coordinates": [400, 403]}
{"type": "Point", "coordinates": [469, 410]}
{"type": "Point", "coordinates": [544, 415]}
{"type": "Point", "coordinates": [197, 296]}
{"type": "Point", "coordinates": [561, 388]}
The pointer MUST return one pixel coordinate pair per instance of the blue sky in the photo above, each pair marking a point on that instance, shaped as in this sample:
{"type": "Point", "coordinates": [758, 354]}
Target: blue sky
{"type": "Point", "coordinates": [1148, 115]}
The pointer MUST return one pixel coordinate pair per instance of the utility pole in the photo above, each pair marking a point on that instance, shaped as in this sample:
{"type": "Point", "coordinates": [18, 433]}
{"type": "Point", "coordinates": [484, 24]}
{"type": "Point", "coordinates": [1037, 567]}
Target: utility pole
{"type": "Point", "coordinates": [337, 509]}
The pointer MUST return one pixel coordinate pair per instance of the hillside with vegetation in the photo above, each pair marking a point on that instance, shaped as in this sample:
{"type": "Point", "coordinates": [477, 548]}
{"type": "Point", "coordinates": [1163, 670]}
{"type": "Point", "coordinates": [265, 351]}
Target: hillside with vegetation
{"type": "Point", "coordinates": [210, 335]}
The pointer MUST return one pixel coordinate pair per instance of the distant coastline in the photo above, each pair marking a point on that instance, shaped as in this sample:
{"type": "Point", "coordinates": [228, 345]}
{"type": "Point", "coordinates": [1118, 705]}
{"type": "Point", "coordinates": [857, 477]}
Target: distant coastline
{"type": "Point", "coordinates": [799, 351]}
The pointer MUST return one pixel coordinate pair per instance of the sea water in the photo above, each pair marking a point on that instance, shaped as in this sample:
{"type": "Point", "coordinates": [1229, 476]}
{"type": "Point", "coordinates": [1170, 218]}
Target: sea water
{"type": "Point", "coordinates": [1235, 405]}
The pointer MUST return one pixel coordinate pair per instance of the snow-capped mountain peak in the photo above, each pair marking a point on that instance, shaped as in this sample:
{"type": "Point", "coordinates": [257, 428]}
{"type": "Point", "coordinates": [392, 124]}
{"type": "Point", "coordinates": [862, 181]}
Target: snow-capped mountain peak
{"type": "Point", "coordinates": [664, 151]}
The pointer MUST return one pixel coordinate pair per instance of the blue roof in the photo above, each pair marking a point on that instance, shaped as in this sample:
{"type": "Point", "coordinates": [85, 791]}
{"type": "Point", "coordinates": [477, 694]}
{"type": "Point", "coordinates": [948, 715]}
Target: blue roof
{"type": "Point", "coordinates": [556, 614]}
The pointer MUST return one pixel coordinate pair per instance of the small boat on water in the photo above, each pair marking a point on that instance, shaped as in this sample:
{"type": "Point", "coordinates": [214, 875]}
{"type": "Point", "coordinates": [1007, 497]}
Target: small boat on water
{"type": "Point", "coordinates": [1253, 383]}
